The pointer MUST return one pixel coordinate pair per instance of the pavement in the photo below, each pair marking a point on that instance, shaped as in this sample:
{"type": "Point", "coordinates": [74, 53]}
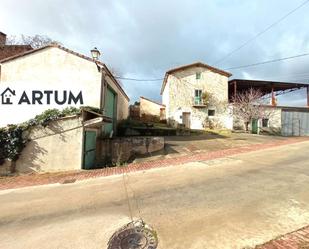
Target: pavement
{"type": "Point", "coordinates": [209, 147]}
{"type": "Point", "coordinates": [236, 201]}
{"type": "Point", "coordinates": [298, 239]}
{"type": "Point", "coordinates": [176, 146]}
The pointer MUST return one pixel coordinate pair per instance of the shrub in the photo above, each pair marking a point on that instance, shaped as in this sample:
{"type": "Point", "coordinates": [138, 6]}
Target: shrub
{"type": "Point", "coordinates": [12, 140]}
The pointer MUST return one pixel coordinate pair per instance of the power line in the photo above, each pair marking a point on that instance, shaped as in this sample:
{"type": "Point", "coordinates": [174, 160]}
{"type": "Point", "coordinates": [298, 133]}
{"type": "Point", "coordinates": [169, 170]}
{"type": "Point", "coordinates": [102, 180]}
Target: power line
{"type": "Point", "coordinates": [135, 79]}
{"type": "Point", "coordinates": [262, 32]}
{"type": "Point", "coordinates": [267, 62]}
{"type": "Point", "coordinates": [230, 68]}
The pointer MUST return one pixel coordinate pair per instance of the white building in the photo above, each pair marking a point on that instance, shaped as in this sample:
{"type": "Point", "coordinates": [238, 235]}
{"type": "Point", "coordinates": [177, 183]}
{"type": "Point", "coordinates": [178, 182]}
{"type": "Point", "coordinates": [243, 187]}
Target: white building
{"type": "Point", "coordinates": [56, 77]}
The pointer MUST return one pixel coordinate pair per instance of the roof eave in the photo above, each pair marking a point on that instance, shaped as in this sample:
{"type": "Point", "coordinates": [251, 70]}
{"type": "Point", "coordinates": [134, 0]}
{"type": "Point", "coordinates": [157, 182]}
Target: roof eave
{"type": "Point", "coordinates": [71, 52]}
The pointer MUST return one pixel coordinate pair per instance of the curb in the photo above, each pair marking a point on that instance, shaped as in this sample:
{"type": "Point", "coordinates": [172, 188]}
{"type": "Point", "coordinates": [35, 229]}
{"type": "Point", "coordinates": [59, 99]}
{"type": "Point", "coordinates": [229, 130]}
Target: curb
{"type": "Point", "coordinates": [70, 177]}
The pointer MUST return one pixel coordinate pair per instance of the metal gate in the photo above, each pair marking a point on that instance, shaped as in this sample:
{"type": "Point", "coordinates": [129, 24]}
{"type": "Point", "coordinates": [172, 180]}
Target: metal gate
{"type": "Point", "coordinates": [89, 149]}
{"type": "Point", "coordinates": [295, 123]}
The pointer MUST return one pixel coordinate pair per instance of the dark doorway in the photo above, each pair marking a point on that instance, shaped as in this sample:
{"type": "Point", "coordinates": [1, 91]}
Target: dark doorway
{"type": "Point", "coordinates": [186, 119]}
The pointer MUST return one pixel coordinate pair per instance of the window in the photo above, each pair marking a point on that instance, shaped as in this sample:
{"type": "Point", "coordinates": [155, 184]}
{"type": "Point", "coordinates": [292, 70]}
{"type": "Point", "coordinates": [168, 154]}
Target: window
{"type": "Point", "coordinates": [211, 113]}
{"type": "Point", "coordinates": [198, 97]}
{"type": "Point", "coordinates": [265, 122]}
{"type": "Point", "coordinates": [198, 75]}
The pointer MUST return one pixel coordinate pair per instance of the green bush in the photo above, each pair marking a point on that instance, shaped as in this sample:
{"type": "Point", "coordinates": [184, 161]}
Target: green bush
{"type": "Point", "coordinates": [12, 140]}
{"type": "Point", "coordinates": [131, 123]}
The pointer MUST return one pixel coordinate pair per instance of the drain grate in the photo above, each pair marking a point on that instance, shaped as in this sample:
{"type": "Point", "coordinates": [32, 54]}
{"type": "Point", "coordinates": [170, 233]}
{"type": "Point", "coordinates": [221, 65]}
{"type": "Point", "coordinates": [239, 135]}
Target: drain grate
{"type": "Point", "coordinates": [135, 235]}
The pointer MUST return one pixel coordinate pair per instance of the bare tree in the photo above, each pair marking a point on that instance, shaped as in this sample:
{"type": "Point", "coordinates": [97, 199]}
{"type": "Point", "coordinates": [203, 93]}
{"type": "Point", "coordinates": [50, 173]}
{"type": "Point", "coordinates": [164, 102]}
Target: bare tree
{"type": "Point", "coordinates": [250, 105]}
{"type": "Point", "coordinates": [116, 73]}
{"type": "Point", "coordinates": [35, 41]}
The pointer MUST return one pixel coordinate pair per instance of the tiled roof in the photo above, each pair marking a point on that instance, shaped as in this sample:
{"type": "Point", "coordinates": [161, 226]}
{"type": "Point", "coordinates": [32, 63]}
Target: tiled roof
{"type": "Point", "coordinates": [7, 51]}
{"type": "Point", "coordinates": [55, 45]}
{"type": "Point", "coordinates": [196, 64]}
{"type": "Point", "coordinates": [152, 101]}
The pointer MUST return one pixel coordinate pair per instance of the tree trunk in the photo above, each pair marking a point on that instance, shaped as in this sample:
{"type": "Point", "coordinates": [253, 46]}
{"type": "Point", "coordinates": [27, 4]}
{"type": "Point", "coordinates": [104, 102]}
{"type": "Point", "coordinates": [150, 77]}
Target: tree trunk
{"type": "Point", "coordinates": [247, 126]}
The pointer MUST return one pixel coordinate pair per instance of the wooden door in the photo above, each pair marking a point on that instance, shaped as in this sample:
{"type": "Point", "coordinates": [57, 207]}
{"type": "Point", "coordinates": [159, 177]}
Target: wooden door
{"type": "Point", "coordinates": [110, 110]}
{"type": "Point", "coordinates": [186, 119]}
{"type": "Point", "coordinates": [254, 128]}
{"type": "Point", "coordinates": [89, 149]}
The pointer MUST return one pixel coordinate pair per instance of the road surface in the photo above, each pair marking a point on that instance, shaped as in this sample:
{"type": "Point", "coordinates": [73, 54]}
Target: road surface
{"type": "Point", "coordinates": [234, 202]}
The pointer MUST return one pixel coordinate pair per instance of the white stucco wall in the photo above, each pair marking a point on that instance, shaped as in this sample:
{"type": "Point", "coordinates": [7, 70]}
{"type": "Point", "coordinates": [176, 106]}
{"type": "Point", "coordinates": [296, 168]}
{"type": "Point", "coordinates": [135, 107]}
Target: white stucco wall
{"type": "Point", "coordinates": [178, 96]}
{"type": "Point", "coordinates": [122, 101]}
{"type": "Point", "coordinates": [274, 124]}
{"type": "Point", "coordinates": [53, 69]}
{"type": "Point", "coordinates": [57, 147]}
{"type": "Point", "coordinates": [148, 107]}
{"type": "Point", "coordinates": [275, 117]}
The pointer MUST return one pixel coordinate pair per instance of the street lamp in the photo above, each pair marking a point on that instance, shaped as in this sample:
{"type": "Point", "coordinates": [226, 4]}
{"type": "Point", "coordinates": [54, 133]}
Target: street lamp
{"type": "Point", "coordinates": [95, 53]}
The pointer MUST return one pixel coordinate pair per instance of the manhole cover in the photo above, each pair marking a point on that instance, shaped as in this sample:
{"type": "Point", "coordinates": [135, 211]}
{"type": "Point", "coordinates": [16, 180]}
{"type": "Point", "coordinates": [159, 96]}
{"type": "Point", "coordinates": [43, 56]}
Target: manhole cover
{"type": "Point", "coordinates": [135, 235]}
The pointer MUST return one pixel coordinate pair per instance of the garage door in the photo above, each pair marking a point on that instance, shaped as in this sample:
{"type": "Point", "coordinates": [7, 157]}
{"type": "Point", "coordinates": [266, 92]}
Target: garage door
{"type": "Point", "coordinates": [110, 110]}
{"type": "Point", "coordinates": [295, 123]}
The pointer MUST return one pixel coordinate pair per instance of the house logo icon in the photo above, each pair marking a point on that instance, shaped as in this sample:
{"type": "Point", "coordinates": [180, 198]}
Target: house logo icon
{"type": "Point", "coordinates": [6, 96]}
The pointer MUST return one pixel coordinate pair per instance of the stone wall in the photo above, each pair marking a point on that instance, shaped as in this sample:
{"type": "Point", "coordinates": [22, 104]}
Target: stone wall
{"type": "Point", "coordinates": [148, 107]}
{"type": "Point", "coordinates": [6, 168]}
{"type": "Point", "coordinates": [121, 150]}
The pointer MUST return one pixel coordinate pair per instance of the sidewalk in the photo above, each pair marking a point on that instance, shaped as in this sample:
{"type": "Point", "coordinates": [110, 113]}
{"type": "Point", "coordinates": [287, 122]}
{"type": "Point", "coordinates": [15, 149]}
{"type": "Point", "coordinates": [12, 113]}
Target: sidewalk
{"type": "Point", "coordinates": [72, 176]}
{"type": "Point", "coordinates": [296, 240]}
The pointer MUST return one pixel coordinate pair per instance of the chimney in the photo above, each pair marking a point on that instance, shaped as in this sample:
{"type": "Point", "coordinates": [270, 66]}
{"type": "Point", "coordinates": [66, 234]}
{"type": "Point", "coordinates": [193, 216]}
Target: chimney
{"type": "Point", "coordinates": [2, 39]}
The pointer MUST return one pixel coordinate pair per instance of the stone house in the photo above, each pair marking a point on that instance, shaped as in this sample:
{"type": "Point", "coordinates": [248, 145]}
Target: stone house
{"type": "Point", "coordinates": [196, 96]}
{"type": "Point", "coordinates": [151, 109]}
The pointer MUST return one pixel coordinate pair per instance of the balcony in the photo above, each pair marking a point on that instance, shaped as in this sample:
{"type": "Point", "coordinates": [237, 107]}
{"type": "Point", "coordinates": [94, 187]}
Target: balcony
{"type": "Point", "coordinates": [199, 103]}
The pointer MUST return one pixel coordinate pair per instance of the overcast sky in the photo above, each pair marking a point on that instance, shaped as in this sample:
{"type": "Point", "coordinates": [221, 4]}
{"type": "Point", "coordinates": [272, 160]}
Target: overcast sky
{"type": "Point", "coordinates": [143, 39]}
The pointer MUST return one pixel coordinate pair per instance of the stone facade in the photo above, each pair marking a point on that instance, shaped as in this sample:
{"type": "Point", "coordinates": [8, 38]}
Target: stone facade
{"type": "Point", "coordinates": [179, 92]}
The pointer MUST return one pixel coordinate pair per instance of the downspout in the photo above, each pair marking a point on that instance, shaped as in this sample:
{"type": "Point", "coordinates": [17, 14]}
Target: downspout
{"type": "Point", "coordinates": [307, 95]}
{"type": "Point", "coordinates": [102, 106]}
{"type": "Point", "coordinates": [103, 91]}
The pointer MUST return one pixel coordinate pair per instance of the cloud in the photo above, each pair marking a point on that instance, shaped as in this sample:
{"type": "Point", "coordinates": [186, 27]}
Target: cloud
{"type": "Point", "coordinates": [144, 39]}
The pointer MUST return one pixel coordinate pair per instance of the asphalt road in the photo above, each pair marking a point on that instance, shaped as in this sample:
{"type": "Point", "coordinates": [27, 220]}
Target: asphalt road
{"type": "Point", "coordinates": [233, 202]}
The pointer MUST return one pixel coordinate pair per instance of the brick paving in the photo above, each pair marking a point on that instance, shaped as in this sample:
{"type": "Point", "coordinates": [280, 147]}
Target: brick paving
{"type": "Point", "coordinates": [72, 176]}
{"type": "Point", "coordinates": [296, 240]}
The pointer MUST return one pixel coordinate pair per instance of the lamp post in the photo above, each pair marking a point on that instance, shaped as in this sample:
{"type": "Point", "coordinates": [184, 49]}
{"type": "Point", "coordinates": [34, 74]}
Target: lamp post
{"type": "Point", "coordinates": [95, 53]}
